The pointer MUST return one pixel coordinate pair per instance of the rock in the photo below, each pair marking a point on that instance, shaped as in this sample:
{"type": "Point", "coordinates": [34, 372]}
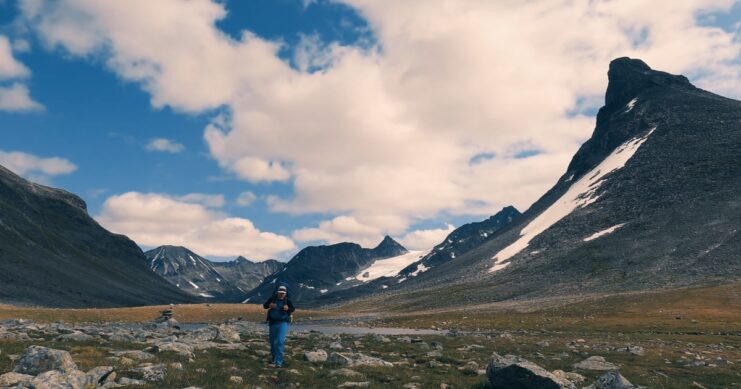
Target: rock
{"type": "Point", "coordinates": [434, 354]}
{"type": "Point", "coordinates": [436, 345]}
{"type": "Point", "coordinates": [514, 372]}
{"type": "Point", "coordinates": [595, 363]}
{"type": "Point", "coordinates": [631, 349]}
{"type": "Point", "coordinates": [345, 373]}
{"type": "Point", "coordinates": [14, 379]}
{"type": "Point", "coordinates": [412, 385]}
{"type": "Point", "coordinates": [134, 354]}
{"type": "Point", "coordinates": [227, 333]}
{"type": "Point", "coordinates": [55, 379]}
{"type": "Point", "coordinates": [356, 359]}
{"type": "Point", "coordinates": [381, 338]}
{"type": "Point", "coordinates": [612, 380]}
{"type": "Point", "coordinates": [130, 382]}
{"type": "Point", "coordinates": [351, 384]}
{"type": "Point", "coordinates": [236, 379]}
{"type": "Point", "coordinates": [470, 367]}
{"type": "Point", "coordinates": [151, 372]}
{"type": "Point", "coordinates": [317, 356]}
{"type": "Point", "coordinates": [99, 375]}
{"type": "Point", "coordinates": [37, 359]}
{"type": "Point", "coordinates": [567, 375]}
{"type": "Point", "coordinates": [336, 346]}
{"type": "Point", "coordinates": [339, 359]}
{"type": "Point", "coordinates": [76, 336]}
{"type": "Point", "coordinates": [180, 348]}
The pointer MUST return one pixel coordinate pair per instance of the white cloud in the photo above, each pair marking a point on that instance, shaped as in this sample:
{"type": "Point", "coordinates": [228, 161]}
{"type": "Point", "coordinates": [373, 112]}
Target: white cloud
{"type": "Point", "coordinates": [156, 219]}
{"type": "Point", "coordinates": [246, 198]}
{"type": "Point", "coordinates": [207, 200]}
{"type": "Point", "coordinates": [425, 239]}
{"type": "Point", "coordinates": [164, 145]}
{"type": "Point", "coordinates": [9, 66]}
{"type": "Point", "coordinates": [35, 167]}
{"type": "Point", "coordinates": [383, 137]}
{"type": "Point", "coordinates": [16, 98]}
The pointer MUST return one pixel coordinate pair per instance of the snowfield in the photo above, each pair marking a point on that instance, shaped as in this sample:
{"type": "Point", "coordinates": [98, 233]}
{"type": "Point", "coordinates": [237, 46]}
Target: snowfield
{"type": "Point", "coordinates": [580, 194]}
{"type": "Point", "coordinates": [603, 232]}
{"type": "Point", "coordinates": [389, 267]}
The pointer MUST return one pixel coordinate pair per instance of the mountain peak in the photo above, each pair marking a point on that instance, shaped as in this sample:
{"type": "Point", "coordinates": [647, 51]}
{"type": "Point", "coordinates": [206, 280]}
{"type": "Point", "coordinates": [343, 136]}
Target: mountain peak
{"type": "Point", "coordinates": [389, 248]}
{"type": "Point", "coordinates": [629, 76]}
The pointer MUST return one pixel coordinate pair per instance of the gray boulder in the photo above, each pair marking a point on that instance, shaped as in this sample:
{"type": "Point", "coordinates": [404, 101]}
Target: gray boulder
{"type": "Point", "coordinates": [37, 359]}
{"type": "Point", "coordinates": [98, 376]}
{"type": "Point", "coordinates": [54, 379]}
{"type": "Point", "coordinates": [514, 372]}
{"type": "Point", "coordinates": [612, 380]}
{"type": "Point", "coordinates": [317, 356]}
{"type": "Point", "coordinates": [151, 372]}
{"type": "Point", "coordinates": [356, 359]}
{"type": "Point", "coordinates": [76, 336]}
{"type": "Point", "coordinates": [15, 379]}
{"type": "Point", "coordinates": [595, 363]}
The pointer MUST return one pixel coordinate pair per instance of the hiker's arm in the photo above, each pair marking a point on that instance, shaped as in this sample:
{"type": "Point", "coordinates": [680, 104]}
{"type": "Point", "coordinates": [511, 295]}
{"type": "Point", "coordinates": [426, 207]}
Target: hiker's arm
{"type": "Point", "coordinates": [290, 307]}
{"type": "Point", "coordinates": [267, 303]}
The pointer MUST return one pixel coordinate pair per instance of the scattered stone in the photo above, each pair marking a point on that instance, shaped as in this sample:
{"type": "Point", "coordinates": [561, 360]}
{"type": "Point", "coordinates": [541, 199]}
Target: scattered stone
{"type": "Point", "coordinates": [595, 363]}
{"type": "Point", "coordinates": [99, 375]}
{"type": "Point", "coordinates": [55, 379]}
{"type": "Point", "coordinates": [151, 372]}
{"type": "Point", "coordinates": [177, 347]}
{"type": "Point", "coordinates": [356, 359]}
{"type": "Point", "coordinates": [15, 379]}
{"type": "Point", "coordinates": [76, 336]}
{"type": "Point", "coordinates": [37, 359]}
{"type": "Point", "coordinates": [317, 356]}
{"type": "Point", "coordinates": [436, 346]}
{"type": "Point", "coordinates": [336, 346]}
{"type": "Point", "coordinates": [631, 349]}
{"type": "Point", "coordinates": [236, 379]}
{"type": "Point", "coordinates": [134, 354]}
{"type": "Point", "coordinates": [612, 380]}
{"type": "Point", "coordinates": [412, 385]}
{"type": "Point", "coordinates": [345, 373]}
{"type": "Point", "coordinates": [124, 381]}
{"type": "Point", "coordinates": [567, 375]}
{"type": "Point", "coordinates": [514, 372]}
{"type": "Point", "coordinates": [352, 384]}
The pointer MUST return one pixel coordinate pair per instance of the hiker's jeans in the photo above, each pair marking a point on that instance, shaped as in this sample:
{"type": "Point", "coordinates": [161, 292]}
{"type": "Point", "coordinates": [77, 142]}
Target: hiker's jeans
{"type": "Point", "coordinates": [278, 333]}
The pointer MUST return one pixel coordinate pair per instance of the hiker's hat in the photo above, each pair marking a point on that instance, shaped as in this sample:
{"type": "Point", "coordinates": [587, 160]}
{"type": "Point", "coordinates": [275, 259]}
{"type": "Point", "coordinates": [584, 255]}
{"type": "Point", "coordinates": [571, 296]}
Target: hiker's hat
{"type": "Point", "coordinates": [282, 289]}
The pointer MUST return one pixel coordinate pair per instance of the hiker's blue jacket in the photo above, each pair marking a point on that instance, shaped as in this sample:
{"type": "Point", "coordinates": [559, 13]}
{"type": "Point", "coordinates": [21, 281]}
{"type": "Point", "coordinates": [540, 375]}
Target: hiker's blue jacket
{"type": "Point", "coordinates": [277, 314]}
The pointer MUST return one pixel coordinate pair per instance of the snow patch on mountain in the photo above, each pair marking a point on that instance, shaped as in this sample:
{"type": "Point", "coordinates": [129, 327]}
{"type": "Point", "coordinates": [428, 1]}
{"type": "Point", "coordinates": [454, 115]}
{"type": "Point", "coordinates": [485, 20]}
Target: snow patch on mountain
{"type": "Point", "coordinates": [603, 232]}
{"type": "Point", "coordinates": [388, 267]}
{"type": "Point", "coordinates": [580, 194]}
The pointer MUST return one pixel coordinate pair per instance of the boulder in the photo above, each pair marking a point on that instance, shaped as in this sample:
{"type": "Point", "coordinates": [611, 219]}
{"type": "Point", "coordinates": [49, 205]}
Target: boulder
{"type": "Point", "coordinates": [356, 359]}
{"type": "Point", "coordinates": [151, 372]}
{"type": "Point", "coordinates": [595, 363]}
{"type": "Point", "coordinates": [134, 354]}
{"type": "Point", "coordinates": [15, 379]}
{"type": "Point", "coordinates": [177, 347]}
{"type": "Point", "coordinates": [612, 380]}
{"type": "Point", "coordinates": [317, 356]}
{"type": "Point", "coordinates": [37, 359]}
{"type": "Point", "coordinates": [98, 376]}
{"type": "Point", "coordinates": [345, 373]}
{"type": "Point", "coordinates": [567, 375]}
{"type": "Point", "coordinates": [353, 384]}
{"type": "Point", "coordinates": [227, 333]}
{"type": "Point", "coordinates": [55, 379]}
{"type": "Point", "coordinates": [514, 372]}
{"type": "Point", "coordinates": [76, 336]}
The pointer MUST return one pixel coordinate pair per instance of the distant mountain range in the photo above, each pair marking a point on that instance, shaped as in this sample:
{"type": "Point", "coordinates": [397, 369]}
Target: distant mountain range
{"type": "Point", "coordinates": [215, 281]}
{"type": "Point", "coordinates": [651, 200]}
{"type": "Point", "coordinates": [318, 270]}
{"type": "Point", "coordinates": [52, 253]}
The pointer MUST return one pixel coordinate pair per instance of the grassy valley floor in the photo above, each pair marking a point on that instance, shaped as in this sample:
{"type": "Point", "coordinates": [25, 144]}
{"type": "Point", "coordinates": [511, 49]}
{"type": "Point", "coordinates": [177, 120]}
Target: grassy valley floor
{"type": "Point", "coordinates": [669, 339]}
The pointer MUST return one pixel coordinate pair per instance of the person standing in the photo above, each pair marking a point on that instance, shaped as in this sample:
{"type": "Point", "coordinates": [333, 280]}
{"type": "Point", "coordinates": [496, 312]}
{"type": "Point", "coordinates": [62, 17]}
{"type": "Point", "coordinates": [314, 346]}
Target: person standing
{"type": "Point", "coordinates": [279, 309]}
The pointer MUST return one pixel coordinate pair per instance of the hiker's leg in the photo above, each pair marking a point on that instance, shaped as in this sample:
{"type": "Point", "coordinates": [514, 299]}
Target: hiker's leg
{"type": "Point", "coordinates": [273, 341]}
{"type": "Point", "coordinates": [281, 343]}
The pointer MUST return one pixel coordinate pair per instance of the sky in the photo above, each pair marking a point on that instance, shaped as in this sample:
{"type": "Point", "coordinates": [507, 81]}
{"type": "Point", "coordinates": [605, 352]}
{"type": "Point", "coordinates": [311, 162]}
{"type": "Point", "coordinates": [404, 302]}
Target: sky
{"type": "Point", "coordinates": [259, 127]}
